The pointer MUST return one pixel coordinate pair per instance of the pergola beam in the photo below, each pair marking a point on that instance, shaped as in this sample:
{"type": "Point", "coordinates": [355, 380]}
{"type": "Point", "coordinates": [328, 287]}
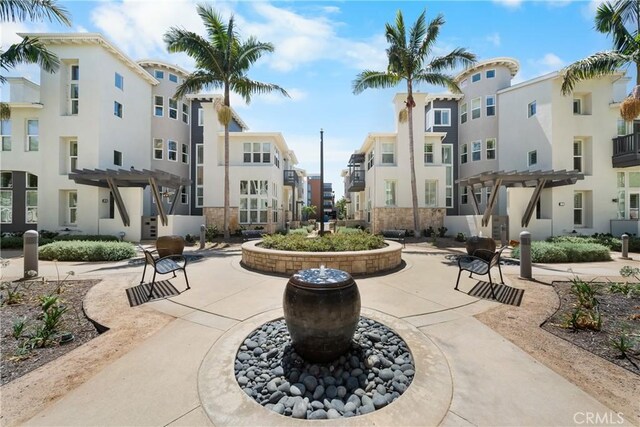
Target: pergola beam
{"type": "Point", "coordinates": [124, 215]}
{"type": "Point", "coordinates": [474, 201]}
{"type": "Point", "coordinates": [155, 193]}
{"type": "Point", "coordinates": [491, 203]}
{"type": "Point", "coordinates": [528, 213]}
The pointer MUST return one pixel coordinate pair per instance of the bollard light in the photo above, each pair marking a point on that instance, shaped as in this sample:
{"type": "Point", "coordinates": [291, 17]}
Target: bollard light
{"type": "Point", "coordinates": [203, 230]}
{"type": "Point", "coordinates": [625, 246]}
{"type": "Point", "coordinates": [525, 255]}
{"type": "Point", "coordinates": [30, 249]}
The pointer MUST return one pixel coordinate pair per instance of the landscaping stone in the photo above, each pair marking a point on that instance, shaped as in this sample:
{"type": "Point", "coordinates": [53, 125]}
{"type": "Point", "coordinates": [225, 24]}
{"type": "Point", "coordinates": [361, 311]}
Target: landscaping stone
{"type": "Point", "coordinates": [372, 374]}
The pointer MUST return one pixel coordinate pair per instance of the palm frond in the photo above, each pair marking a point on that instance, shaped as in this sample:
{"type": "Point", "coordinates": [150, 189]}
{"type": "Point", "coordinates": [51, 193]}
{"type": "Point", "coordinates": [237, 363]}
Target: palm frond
{"type": "Point", "coordinates": [611, 19]}
{"type": "Point", "coordinates": [197, 81]}
{"type": "Point", "coordinates": [455, 58]}
{"type": "Point", "coordinates": [34, 10]}
{"type": "Point", "coordinates": [181, 40]}
{"type": "Point", "coordinates": [374, 79]}
{"type": "Point", "coordinates": [5, 111]}
{"type": "Point", "coordinates": [417, 32]}
{"type": "Point", "coordinates": [252, 50]}
{"type": "Point", "coordinates": [246, 88]}
{"type": "Point", "coordinates": [437, 79]}
{"type": "Point", "coordinates": [597, 65]}
{"type": "Point", "coordinates": [29, 51]}
{"type": "Point", "coordinates": [433, 30]}
{"type": "Point", "coordinates": [396, 35]}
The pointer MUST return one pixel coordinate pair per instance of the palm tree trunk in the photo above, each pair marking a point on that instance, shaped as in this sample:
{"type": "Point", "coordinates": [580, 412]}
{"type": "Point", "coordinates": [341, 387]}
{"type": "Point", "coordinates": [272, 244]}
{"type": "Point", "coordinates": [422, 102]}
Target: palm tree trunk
{"type": "Point", "coordinates": [414, 190]}
{"type": "Point", "coordinates": [226, 169]}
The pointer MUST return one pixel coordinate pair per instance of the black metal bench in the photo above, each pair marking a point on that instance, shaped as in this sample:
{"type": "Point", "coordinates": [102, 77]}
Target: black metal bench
{"type": "Point", "coordinates": [252, 235]}
{"type": "Point", "coordinates": [398, 235]}
{"type": "Point", "coordinates": [481, 263]}
{"type": "Point", "coordinates": [166, 265]}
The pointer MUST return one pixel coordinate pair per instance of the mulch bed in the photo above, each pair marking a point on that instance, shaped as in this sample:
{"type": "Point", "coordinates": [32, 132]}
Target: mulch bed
{"type": "Point", "coordinates": [73, 321]}
{"type": "Point", "coordinates": [620, 314]}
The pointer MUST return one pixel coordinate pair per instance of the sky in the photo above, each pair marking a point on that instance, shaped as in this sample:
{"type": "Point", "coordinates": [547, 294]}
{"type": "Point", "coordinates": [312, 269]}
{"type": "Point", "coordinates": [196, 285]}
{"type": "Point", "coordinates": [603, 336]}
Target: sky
{"type": "Point", "coordinates": [321, 46]}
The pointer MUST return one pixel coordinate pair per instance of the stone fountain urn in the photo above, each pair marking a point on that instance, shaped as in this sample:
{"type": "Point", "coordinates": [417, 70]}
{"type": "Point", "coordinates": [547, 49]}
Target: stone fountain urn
{"type": "Point", "coordinates": [321, 310]}
{"type": "Point", "coordinates": [479, 242]}
{"type": "Point", "coordinates": [169, 245]}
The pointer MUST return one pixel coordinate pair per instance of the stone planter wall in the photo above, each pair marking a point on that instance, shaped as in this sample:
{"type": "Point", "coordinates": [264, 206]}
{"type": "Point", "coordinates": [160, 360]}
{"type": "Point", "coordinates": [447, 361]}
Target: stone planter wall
{"type": "Point", "coordinates": [355, 263]}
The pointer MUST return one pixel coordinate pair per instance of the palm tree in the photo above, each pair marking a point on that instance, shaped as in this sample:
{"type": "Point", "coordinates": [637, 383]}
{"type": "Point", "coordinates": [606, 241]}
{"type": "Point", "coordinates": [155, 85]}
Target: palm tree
{"type": "Point", "coordinates": [410, 59]}
{"type": "Point", "coordinates": [222, 61]}
{"type": "Point", "coordinates": [29, 50]}
{"type": "Point", "coordinates": [621, 20]}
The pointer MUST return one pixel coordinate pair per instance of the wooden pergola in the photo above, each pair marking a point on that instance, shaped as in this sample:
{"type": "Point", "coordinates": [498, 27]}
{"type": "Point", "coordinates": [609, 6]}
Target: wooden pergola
{"type": "Point", "coordinates": [538, 180]}
{"type": "Point", "coordinates": [115, 179]}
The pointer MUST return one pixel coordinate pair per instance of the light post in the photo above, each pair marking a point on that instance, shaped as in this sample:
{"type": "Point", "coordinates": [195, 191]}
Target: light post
{"type": "Point", "coordinates": [321, 183]}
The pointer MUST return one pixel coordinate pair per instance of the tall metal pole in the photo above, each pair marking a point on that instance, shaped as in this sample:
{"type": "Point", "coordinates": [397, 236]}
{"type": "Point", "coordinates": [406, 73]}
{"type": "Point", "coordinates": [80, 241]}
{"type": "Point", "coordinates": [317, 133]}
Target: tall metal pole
{"type": "Point", "coordinates": [321, 182]}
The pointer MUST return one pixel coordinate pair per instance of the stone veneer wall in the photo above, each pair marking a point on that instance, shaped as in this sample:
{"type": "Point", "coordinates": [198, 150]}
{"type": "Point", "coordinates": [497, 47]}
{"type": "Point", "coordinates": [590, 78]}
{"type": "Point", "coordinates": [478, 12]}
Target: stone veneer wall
{"type": "Point", "coordinates": [288, 262]}
{"type": "Point", "coordinates": [215, 216]}
{"type": "Point", "coordinates": [402, 218]}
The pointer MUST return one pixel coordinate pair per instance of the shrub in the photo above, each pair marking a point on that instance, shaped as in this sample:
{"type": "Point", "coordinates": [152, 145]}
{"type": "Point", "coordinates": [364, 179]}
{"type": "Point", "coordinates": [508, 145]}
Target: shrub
{"type": "Point", "coordinates": [429, 232]}
{"type": "Point", "coordinates": [340, 242]}
{"type": "Point", "coordinates": [442, 231]}
{"type": "Point", "coordinates": [547, 252]}
{"type": "Point", "coordinates": [605, 239]}
{"type": "Point", "coordinates": [349, 230]}
{"type": "Point", "coordinates": [86, 237]}
{"type": "Point", "coordinates": [211, 233]}
{"type": "Point", "coordinates": [86, 251]}
{"type": "Point", "coordinates": [16, 242]}
{"type": "Point", "coordinates": [460, 237]}
{"type": "Point", "coordinates": [301, 231]}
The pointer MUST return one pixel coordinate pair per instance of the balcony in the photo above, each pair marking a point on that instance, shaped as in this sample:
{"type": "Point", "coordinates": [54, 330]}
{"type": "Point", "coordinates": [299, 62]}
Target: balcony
{"type": "Point", "coordinates": [626, 151]}
{"type": "Point", "coordinates": [290, 178]}
{"type": "Point", "coordinates": [356, 181]}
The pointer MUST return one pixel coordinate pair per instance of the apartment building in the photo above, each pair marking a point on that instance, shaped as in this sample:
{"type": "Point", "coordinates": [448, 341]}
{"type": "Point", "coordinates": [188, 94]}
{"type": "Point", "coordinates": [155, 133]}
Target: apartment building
{"type": "Point", "coordinates": [103, 147]}
{"type": "Point", "coordinates": [378, 177]}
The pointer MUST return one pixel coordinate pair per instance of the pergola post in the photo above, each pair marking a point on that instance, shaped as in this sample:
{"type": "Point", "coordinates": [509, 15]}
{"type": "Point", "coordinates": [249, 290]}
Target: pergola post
{"type": "Point", "coordinates": [528, 213]}
{"type": "Point", "coordinates": [156, 195]}
{"type": "Point", "coordinates": [491, 202]}
{"type": "Point", "coordinates": [124, 215]}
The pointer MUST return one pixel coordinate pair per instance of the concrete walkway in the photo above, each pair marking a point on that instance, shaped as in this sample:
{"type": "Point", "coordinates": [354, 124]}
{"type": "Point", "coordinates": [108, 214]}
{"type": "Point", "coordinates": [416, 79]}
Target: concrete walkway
{"type": "Point", "coordinates": [156, 382]}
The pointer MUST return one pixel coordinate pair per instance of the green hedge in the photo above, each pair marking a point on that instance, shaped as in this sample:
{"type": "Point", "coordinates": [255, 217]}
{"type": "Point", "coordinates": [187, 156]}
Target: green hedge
{"type": "Point", "coordinates": [16, 242]}
{"type": "Point", "coordinates": [605, 239]}
{"type": "Point", "coordinates": [329, 243]}
{"type": "Point", "coordinates": [86, 251]}
{"type": "Point", "coordinates": [548, 252]}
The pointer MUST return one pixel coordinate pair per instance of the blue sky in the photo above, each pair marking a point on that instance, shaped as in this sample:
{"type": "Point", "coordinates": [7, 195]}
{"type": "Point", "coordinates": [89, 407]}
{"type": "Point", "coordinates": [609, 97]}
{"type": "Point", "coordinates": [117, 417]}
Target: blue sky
{"type": "Point", "coordinates": [322, 45]}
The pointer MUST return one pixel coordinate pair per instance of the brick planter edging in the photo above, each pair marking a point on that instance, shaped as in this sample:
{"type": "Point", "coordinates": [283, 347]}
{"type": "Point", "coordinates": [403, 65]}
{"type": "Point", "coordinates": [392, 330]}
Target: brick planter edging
{"type": "Point", "coordinates": [374, 261]}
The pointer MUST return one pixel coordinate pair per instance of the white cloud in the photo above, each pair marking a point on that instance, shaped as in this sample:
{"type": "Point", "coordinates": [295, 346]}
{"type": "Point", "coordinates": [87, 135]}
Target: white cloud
{"type": "Point", "coordinates": [511, 4]}
{"type": "Point", "coordinates": [275, 98]}
{"type": "Point", "coordinates": [532, 68]}
{"type": "Point", "coordinates": [331, 9]}
{"type": "Point", "coordinates": [589, 10]}
{"type": "Point", "coordinates": [494, 39]}
{"type": "Point", "coordinates": [551, 60]}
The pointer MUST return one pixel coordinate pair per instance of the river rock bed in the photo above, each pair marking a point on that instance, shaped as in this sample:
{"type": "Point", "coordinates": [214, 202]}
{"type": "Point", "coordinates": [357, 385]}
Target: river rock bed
{"type": "Point", "coordinates": [375, 372]}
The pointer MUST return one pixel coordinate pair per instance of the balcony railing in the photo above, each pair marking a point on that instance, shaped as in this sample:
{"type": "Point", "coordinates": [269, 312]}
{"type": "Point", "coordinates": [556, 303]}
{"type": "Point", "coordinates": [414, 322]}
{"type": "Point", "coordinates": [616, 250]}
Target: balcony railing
{"type": "Point", "coordinates": [356, 181]}
{"type": "Point", "coordinates": [290, 178]}
{"type": "Point", "coordinates": [626, 151]}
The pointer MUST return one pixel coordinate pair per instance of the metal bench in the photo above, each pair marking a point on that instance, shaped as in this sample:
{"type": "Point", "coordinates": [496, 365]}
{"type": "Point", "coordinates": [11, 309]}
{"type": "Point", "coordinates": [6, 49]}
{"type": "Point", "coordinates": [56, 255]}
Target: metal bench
{"type": "Point", "coordinates": [398, 235]}
{"type": "Point", "coordinates": [481, 263]}
{"type": "Point", "coordinates": [166, 265]}
{"type": "Point", "coordinates": [252, 235]}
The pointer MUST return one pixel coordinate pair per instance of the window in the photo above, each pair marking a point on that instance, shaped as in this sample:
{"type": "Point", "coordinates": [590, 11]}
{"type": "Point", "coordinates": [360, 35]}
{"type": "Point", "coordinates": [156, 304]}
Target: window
{"type": "Point", "coordinates": [6, 206]}
{"type": "Point", "coordinates": [119, 81]}
{"type": "Point", "coordinates": [199, 175]}
{"type": "Point", "coordinates": [5, 132]}
{"type": "Point", "coordinates": [255, 152]}
{"type": "Point", "coordinates": [389, 193]}
{"type": "Point", "coordinates": [388, 154]}
{"type": "Point", "coordinates": [477, 193]}
{"type": "Point", "coordinates": [72, 207]}
{"type": "Point", "coordinates": [491, 105]}
{"type": "Point", "coordinates": [428, 153]}
{"type": "Point", "coordinates": [464, 83]}
{"type": "Point", "coordinates": [463, 154]}
{"type": "Point", "coordinates": [173, 108]}
{"type": "Point", "coordinates": [31, 198]}
{"type": "Point", "coordinates": [276, 159]}
{"type": "Point", "coordinates": [370, 157]}
{"type": "Point", "coordinates": [73, 155]}
{"type": "Point", "coordinates": [254, 201]}
{"type": "Point", "coordinates": [117, 158]}
{"type": "Point", "coordinates": [476, 77]}
{"type": "Point", "coordinates": [531, 109]}
{"type": "Point", "coordinates": [463, 113]}
{"type": "Point", "coordinates": [431, 193]}
{"type": "Point", "coordinates": [578, 209]}
{"type": "Point", "coordinates": [173, 78]}
{"type": "Point", "coordinates": [74, 90]}
{"type": "Point", "coordinates": [33, 140]}
{"type": "Point", "coordinates": [447, 160]}
{"type": "Point", "coordinates": [7, 180]}
{"type": "Point", "coordinates": [577, 106]}
{"type": "Point", "coordinates": [532, 158]}
{"type": "Point", "coordinates": [488, 194]}
{"type": "Point", "coordinates": [490, 74]}
{"type": "Point", "coordinates": [464, 195]}
{"type": "Point", "coordinates": [172, 151]}
{"type": "Point", "coordinates": [491, 148]}
{"type": "Point", "coordinates": [476, 151]}
{"type": "Point", "coordinates": [185, 113]}
{"type": "Point", "coordinates": [577, 155]}
{"type": "Point", "coordinates": [117, 109]}
{"type": "Point", "coordinates": [158, 106]}
{"type": "Point", "coordinates": [158, 149]}
{"type": "Point", "coordinates": [621, 127]}
{"type": "Point", "coordinates": [200, 117]}
{"type": "Point", "coordinates": [442, 117]}
{"type": "Point", "coordinates": [476, 105]}
{"type": "Point", "coordinates": [184, 195]}
{"type": "Point", "coordinates": [158, 74]}
{"type": "Point", "coordinates": [185, 153]}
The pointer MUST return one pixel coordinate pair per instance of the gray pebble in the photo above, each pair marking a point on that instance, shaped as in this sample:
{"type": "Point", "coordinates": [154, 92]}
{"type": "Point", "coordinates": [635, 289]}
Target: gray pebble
{"type": "Point", "coordinates": [332, 414]}
{"type": "Point", "coordinates": [318, 392]}
{"type": "Point", "coordinates": [365, 409]}
{"type": "Point", "coordinates": [317, 404]}
{"type": "Point", "coordinates": [243, 381]}
{"type": "Point", "coordinates": [276, 396]}
{"type": "Point", "coordinates": [331, 391]}
{"type": "Point", "coordinates": [279, 408]}
{"type": "Point", "coordinates": [379, 401]}
{"type": "Point", "coordinates": [310, 382]}
{"type": "Point", "coordinates": [337, 404]}
{"type": "Point", "coordinates": [299, 410]}
{"type": "Point", "coordinates": [355, 400]}
{"type": "Point", "coordinates": [278, 371]}
{"type": "Point", "coordinates": [285, 387]}
{"type": "Point", "coordinates": [318, 414]}
{"type": "Point", "coordinates": [352, 383]}
{"type": "Point", "coordinates": [366, 400]}
{"type": "Point", "coordinates": [381, 389]}
{"type": "Point", "coordinates": [297, 389]}
{"type": "Point", "coordinates": [349, 407]}
{"type": "Point", "coordinates": [242, 356]}
{"type": "Point", "coordinates": [386, 374]}
{"type": "Point", "coordinates": [257, 351]}
{"type": "Point", "coordinates": [342, 392]}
